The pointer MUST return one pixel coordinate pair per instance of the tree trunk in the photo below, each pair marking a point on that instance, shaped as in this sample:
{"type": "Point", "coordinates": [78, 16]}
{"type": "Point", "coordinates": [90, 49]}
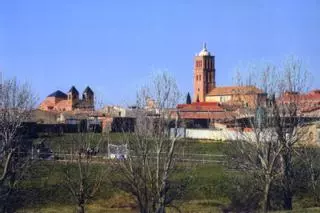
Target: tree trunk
{"type": "Point", "coordinates": [161, 209]}
{"type": "Point", "coordinates": [313, 182]}
{"type": "Point", "coordinates": [287, 199]}
{"type": "Point", "coordinates": [265, 203]}
{"type": "Point", "coordinates": [287, 180]}
{"type": "Point", "coordinates": [80, 208]}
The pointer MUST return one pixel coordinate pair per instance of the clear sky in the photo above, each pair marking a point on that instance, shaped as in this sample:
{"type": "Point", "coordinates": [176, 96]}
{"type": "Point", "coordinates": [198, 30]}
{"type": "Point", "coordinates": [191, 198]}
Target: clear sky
{"type": "Point", "coordinates": [114, 46]}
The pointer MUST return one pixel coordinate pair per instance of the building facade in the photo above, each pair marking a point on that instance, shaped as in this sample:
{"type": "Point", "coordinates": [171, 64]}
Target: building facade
{"type": "Point", "coordinates": [60, 101]}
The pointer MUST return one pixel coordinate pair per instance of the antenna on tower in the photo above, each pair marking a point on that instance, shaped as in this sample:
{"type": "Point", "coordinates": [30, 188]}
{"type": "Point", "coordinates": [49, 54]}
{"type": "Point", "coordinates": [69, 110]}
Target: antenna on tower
{"type": "Point", "coordinates": [204, 45]}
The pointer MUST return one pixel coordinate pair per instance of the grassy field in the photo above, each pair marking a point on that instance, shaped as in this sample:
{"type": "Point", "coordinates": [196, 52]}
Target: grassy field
{"type": "Point", "coordinates": [67, 141]}
{"type": "Point", "coordinates": [43, 190]}
{"type": "Point", "coordinates": [101, 206]}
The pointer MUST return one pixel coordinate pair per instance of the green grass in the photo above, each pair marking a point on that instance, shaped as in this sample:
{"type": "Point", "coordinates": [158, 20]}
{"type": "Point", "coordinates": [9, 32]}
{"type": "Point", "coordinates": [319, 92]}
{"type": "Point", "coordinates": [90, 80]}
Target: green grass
{"type": "Point", "coordinates": [196, 206]}
{"type": "Point", "coordinates": [68, 142]}
{"type": "Point", "coordinates": [43, 190]}
{"type": "Point", "coordinates": [205, 147]}
{"type": "Point", "coordinates": [305, 210]}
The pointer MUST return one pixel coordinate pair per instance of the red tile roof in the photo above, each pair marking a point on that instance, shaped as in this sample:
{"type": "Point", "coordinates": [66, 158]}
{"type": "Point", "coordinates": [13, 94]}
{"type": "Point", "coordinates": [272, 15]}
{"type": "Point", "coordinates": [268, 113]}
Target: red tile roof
{"type": "Point", "coordinates": [201, 106]}
{"type": "Point", "coordinates": [231, 90]}
{"type": "Point", "coordinates": [310, 96]}
{"type": "Point", "coordinates": [204, 110]}
{"type": "Point", "coordinates": [306, 102]}
{"type": "Point", "coordinates": [207, 115]}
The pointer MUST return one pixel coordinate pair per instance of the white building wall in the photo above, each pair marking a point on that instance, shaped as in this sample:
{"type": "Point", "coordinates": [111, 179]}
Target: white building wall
{"type": "Point", "coordinates": [218, 135]}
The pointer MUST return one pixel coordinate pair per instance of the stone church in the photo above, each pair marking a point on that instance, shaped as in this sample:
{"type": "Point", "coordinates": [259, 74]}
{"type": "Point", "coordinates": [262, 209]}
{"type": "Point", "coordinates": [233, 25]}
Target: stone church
{"type": "Point", "coordinates": [60, 101]}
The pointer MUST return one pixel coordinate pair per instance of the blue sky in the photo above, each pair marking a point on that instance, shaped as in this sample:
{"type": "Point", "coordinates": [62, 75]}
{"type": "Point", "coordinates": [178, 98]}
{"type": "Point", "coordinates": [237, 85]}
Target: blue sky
{"type": "Point", "coordinates": [114, 46]}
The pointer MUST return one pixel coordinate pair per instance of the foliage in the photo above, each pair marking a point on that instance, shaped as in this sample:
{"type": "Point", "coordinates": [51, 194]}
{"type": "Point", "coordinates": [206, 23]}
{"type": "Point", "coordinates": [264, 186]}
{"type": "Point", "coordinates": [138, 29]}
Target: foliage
{"type": "Point", "coordinates": [188, 101]}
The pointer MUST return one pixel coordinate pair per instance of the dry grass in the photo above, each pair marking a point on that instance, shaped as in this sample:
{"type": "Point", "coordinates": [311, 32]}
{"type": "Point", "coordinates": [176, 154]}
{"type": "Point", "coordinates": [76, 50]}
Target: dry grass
{"type": "Point", "coordinates": [102, 206]}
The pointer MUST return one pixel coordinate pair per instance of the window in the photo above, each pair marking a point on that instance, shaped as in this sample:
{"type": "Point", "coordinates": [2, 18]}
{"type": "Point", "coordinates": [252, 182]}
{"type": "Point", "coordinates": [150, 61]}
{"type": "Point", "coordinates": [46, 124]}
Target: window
{"type": "Point", "coordinates": [198, 63]}
{"type": "Point", "coordinates": [199, 77]}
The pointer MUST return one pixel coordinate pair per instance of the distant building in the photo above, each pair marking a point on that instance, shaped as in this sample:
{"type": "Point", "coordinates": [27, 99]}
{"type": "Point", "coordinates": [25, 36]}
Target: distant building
{"type": "Point", "coordinates": [205, 89]}
{"type": "Point", "coordinates": [116, 111]}
{"type": "Point", "coordinates": [308, 103]}
{"type": "Point", "coordinates": [214, 105]}
{"type": "Point", "coordinates": [311, 134]}
{"type": "Point", "coordinates": [204, 115]}
{"type": "Point", "coordinates": [60, 101]}
{"type": "Point", "coordinates": [248, 96]}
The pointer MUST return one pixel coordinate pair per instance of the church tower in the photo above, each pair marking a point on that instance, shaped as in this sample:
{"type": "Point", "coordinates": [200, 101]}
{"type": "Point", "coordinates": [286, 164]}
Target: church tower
{"type": "Point", "coordinates": [88, 98]}
{"type": "Point", "coordinates": [73, 97]}
{"type": "Point", "coordinates": [204, 74]}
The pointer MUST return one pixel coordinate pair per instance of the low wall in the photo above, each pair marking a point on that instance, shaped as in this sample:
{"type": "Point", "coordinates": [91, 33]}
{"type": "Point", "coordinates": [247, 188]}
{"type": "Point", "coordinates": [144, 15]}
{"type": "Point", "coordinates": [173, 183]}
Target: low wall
{"type": "Point", "coordinates": [220, 135]}
{"type": "Point", "coordinates": [210, 134]}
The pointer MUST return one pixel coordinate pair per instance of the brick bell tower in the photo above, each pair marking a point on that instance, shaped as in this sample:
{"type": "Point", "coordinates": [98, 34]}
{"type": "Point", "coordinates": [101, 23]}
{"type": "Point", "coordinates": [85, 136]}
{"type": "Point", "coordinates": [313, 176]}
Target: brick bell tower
{"type": "Point", "coordinates": [204, 79]}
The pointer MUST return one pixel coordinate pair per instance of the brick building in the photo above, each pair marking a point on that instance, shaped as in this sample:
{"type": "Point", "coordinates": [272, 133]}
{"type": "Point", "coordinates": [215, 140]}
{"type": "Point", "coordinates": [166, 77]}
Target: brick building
{"type": "Point", "coordinates": [60, 101]}
{"type": "Point", "coordinates": [308, 103]}
{"type": "Point", "coordinates": [205, 89]}
{"type": "Point", "coordinates": [216, 104]}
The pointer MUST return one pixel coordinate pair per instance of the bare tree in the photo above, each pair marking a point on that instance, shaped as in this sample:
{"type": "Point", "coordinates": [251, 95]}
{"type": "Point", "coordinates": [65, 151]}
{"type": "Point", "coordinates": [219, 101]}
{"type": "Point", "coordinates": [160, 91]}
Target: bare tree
{"type": "Point", "coordinates": [276, 125]}
{"type": "Point", "coordinates": [258, 152]}
{"type": "Point", "coordinates": [290, 128]}
{"type": "Point", "coordinates": [152, 149]}
{"type": "Point", "coordinates": [16, 102]}
{"type": "Point", "coordinates": [83, 175]}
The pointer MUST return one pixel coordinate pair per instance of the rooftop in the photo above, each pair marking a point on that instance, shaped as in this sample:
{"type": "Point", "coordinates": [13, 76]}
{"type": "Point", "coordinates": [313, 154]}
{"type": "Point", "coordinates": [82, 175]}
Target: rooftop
{"type": "Point", "coordinates": [231, 90]}
{"type": "Point", "coordinates": [201, 106]}
{"type": "Point", "coordinates": [58, 94]}
{"type": "Point", "coordinates": [204, 51]}
{"type": "Point", "coordinates": [73, 90]}
{"type": "Point", "coordinates": [88, 90]}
